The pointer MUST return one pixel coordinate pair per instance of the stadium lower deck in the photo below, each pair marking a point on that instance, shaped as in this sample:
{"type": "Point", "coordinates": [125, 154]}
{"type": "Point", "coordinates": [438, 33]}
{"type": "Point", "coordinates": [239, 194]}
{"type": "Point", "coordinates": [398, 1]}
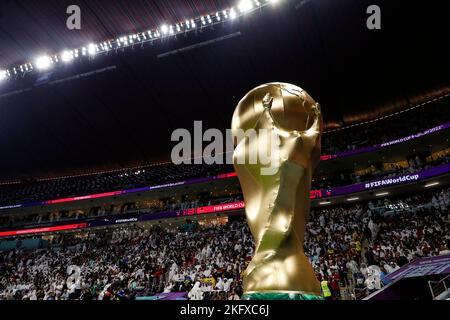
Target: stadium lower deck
{"type": "Point", "coordinates": [135, 261]}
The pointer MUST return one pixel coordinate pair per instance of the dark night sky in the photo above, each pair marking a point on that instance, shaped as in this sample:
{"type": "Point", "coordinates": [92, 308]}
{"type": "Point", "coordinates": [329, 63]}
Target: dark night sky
{"type": "Point", "coordinates": [126, 115]}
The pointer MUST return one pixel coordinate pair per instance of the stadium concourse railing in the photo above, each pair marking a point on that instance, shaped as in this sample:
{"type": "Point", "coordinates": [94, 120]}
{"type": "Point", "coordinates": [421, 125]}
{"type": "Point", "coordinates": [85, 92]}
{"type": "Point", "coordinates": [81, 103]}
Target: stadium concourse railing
{"type": "Point", "coordinates": [437, 288]}
{"type": "Point", "coordinates": [314, 194]}
{"type": "Point", "coordinates": [234, 206]}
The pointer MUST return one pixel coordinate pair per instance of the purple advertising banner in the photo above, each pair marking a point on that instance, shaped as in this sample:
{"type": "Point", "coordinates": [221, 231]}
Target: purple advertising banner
{"type": "Point", "coordinates": [387, 182]}
{"type": "Point", "coordinates": [421, 267]}
{"type": "Point", "coordinates": [386, 144]}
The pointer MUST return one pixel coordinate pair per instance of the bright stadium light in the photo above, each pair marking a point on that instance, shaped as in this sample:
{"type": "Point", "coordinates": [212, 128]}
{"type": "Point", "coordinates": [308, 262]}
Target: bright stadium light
{"type": "Point", "coordinates": [92, 49]}
{"type": "Point", "coordinates": [324, 203]}
{"type": "Point", "coordinates": [67, 56]}
{"type": "Point", "coordinates": [233, 14]}
{"type": "Point", "coordinates": [165, 29]}
{"type": "Point", "coordinates": [43, 62]}
{"type": "Point", "coordinates": [2, 75]}
{"type": "Point", "coordinates": [381, 194]}
{"type": "Point", "coordinates": [245, 6]}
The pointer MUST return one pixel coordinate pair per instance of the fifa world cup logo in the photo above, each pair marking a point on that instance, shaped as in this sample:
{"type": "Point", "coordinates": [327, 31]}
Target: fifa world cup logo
{"type": "Point", "coordinates": [277, 205]}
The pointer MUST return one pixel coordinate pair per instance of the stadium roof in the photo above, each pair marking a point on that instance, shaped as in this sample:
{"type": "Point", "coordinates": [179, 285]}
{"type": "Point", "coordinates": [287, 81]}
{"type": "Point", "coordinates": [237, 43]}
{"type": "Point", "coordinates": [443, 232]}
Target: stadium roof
{"type": "Point", "coordinates": [119, 109]}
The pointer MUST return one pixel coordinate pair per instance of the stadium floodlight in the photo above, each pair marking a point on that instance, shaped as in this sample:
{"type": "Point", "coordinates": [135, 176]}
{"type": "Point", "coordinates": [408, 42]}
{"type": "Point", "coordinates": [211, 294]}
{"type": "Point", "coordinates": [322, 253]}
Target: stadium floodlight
{"type": "Point", "coordinates": [245, 6]}
{"type": "Point", "coordinates": [67, 56]}
{"type": "Point", "coordinates": [165, 29]}
{"type": "Point", "coordinates": [92, 49]}
{"type": "Point", "coordinates": [381, 194]}
{"type": "Point", "coordinates": [233, 14]}
{"type": "Point", "coordinates": [242, 7]}
{"type": "Point", "coordinates": [324, 203]}
{"type": "Point", "coordinates": [353, 199]}
{"type": "Point", "coordinates": [3, 75]}
{"type": "Point", "coordinates": [43, 62]}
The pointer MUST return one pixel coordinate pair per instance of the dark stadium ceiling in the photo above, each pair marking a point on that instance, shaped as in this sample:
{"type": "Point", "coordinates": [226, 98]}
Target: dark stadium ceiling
{"type": "Point", "coordinates": [119, 109]}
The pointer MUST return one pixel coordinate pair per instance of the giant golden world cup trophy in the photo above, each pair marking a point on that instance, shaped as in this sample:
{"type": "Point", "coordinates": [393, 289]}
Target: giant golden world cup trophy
{"type": "Point", "coordinates": [277, 204]}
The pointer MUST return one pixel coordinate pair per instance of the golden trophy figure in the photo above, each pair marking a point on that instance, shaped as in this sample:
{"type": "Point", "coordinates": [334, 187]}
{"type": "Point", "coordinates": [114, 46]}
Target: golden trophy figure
{"type": "Point", "coordinates": [277, 202]}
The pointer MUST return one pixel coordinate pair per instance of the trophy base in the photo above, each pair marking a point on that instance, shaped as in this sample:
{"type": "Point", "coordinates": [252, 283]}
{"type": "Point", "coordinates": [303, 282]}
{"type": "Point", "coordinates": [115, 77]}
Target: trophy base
{"type": "Point", "coordinates": [280, 296]}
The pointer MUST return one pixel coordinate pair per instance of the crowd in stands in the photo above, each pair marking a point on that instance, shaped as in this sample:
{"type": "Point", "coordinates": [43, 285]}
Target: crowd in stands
{"type": "Point", "coordinates": [342, 242]}
{"type": "Point", "coordinates": [131, 262]}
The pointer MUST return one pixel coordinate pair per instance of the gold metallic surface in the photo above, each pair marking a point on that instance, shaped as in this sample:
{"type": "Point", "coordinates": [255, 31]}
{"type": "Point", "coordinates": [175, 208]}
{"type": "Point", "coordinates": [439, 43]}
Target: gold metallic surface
{"type": "Point", "coordinates": [277, 206]}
